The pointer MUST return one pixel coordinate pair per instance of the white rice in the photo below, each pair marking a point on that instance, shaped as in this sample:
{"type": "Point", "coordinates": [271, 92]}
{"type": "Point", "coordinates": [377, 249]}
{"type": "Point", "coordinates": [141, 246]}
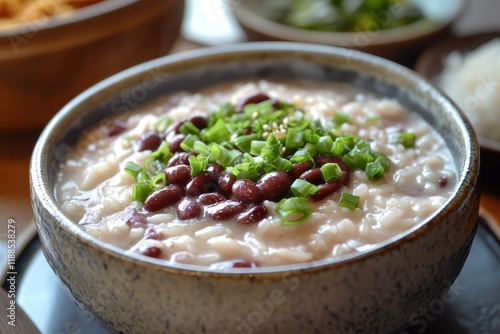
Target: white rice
{"type": "Point", "coordinates": [473, 81]}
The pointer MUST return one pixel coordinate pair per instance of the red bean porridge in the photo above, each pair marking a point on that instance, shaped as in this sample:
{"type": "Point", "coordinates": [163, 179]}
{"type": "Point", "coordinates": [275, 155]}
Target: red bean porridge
{"type": "Point", "coordinates": [257, 173]}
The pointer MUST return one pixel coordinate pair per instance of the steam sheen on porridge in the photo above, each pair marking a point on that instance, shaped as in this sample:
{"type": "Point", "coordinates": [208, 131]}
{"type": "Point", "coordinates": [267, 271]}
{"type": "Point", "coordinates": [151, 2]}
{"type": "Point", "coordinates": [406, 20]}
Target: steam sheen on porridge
{"type": "Point", "coordinates": [257, 173]}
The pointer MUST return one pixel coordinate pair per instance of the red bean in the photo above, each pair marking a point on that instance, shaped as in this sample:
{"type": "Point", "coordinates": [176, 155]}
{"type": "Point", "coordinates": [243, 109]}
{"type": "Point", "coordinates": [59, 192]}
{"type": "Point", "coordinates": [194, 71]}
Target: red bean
{"type": "Point", "coordinates": [200, 121]}
{"type": "Point", "coordinates": [274, 185]}
{"type": "Point", "coordinates": [152, 233]}
{"type": "Point", "coordinates": [246, 191]}
{"type": "Point", "coordinates": [175, 143]}
{"type": "Point", "coordinates": [203, 182]}
{"type": "Point", "coordinates": [174, 127]}
{"type": "Point", "coordinates": [149, 248]}
{"type": "Point", "coordinates": [345, 171]}
{"type": "Point", "coordinates": [253, 215]}
{"type": "Point", "coordinates": [133, 218]}
{"type": "Point", "coordinates": [326, 189]}
{"type": "Point", "coordinates": [314, 176]}
{"type": "Point", "coordinates": [225, 210]}
{"type": "Point", "coordinates": [210, 198]}
{"type": "Point", "coordinates": [300, 168]}
{"type": "Point", "coordinates": [250, 99]}
{"type": "Point", "coordinates": [322, 159]}
{"type": "Point", "coordinates": [226, 183]}
{"type": "Point", "coordinates": [180, 174]}
{"type": "Point", "coordinates": [149, 140]}
{"type": "Point", "coordinates": [216, 169]}
{"type": "Point", "coordinates": [159, 199]}
{"type": "Point", "coordinates": [443, 181]}
{"type": "Point", "coordinates": [187, 208]}
{"type": "Point", "coordinates": [179, 158]}
{"type": "Point", "coordinates": [116, 128]}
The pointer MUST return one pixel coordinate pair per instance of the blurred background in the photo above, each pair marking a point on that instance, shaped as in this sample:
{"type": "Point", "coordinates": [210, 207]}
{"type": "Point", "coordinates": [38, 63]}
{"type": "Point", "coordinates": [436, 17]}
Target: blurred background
{"type": "Point", "coordinates": [50, 54]}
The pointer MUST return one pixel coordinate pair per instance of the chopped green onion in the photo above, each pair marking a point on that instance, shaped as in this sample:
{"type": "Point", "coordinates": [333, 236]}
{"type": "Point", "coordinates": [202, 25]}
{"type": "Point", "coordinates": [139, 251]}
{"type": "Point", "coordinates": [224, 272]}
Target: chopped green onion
{"type": "Point", "coordinates": [383, 160]}
{"type": "Point", "coordinates": [188, 142]}
{"type": "Point", "coordinates": [324, 144]}
{"type": "Point", "coordinates": [162, 153]}
{"type": "Point", "coordinates": [301, 156]}
{"type": "Point", "coordinates": [311, 137]}
{"type": "Point", "coordinates": [246, 170]}
{"type": "Point", "coordinates": [158, 182]}
{"type": "Point", "coordinates": [349, 201]}
{"type": "Point", "coordinates": [198, 164]}
{"type": "Point", "coordinates": [163, 123]}
{"type": "Point", "coordinates": [257, 146]}
{"type": "Point", "coordinates": [244, 143]}
{"type": "Point", "coordinates": [262, 108]}
{"type": "Point", "coordinates": [407, 139]}
{"type": "Point", "coordinates": [156, 161]}
{"type": "Point", "coordinates": [281, 164]}
{"type": "Point", "coordinates": [374, 171]}
{"type": "Point", "coordinates": [132, 169]}
{"type": "Point", "coordinates": [222, 156]}
{"type": "Point", "coordinates": [272, 150]}
{"type": "Point", "coordinates": [201, 148]}
{"type": "Point", "coordinates": [142, 177]}
{"type": "Point", "coordinates": [141, 191]}
{"type": "Point", "coordinates": [189, 128]}
{"type": "Point", "coordinates": [234, 158]}
{"type": "Point", "coordinates": [343, 144]}
{"type": "Point", "coordinates": [377, 169]}
{"type": "Point", "coordinates": [339, 119]}
{"type": "Point", "coordinates": [293, 210]}
{"type": "Point", "coordinates": [294, 139]}
{"type": "Point", "coordinates": [217, 133]}
{"type": "Point", "coordinates": [357, 159]}
{"type": "Point", "coordinates": [153, 166]}
{"type": "Point", "coordinates": [302, 188]}
{"type": "Point", "coordinates": [331, 171]}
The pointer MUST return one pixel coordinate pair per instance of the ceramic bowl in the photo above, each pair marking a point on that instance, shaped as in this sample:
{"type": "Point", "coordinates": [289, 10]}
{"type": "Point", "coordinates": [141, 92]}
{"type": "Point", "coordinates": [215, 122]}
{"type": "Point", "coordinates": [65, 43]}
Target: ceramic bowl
{"type": "Point", "coordinates": [396, 44]}
{"type": "Point", "coordinates": [373, 291]}
{"type": "Point", "coordinates": [430, 63]}
{"type": "Point", "coordinates": [45, 64]}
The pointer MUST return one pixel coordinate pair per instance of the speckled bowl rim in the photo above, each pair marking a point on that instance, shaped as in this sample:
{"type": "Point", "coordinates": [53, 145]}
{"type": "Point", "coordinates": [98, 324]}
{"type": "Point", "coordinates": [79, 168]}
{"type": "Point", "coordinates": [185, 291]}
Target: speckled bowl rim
{"type": "Point", "coordinates": [44, 192]}
{"type": "Point", "coordinates": [283, 32]}
{"type": "Point", "coordinates": [84, 13]}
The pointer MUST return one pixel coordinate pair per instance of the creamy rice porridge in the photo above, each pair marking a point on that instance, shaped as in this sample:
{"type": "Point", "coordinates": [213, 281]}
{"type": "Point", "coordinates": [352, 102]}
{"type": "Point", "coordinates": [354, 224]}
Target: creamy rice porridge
{"type": "Point", "coordinates": [283, 173]}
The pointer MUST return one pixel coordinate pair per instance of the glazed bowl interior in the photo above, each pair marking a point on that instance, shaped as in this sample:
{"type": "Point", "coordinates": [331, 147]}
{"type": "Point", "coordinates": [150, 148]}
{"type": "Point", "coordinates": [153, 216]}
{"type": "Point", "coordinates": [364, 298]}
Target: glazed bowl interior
{"type": "Point", "coordinates": [142, 84]}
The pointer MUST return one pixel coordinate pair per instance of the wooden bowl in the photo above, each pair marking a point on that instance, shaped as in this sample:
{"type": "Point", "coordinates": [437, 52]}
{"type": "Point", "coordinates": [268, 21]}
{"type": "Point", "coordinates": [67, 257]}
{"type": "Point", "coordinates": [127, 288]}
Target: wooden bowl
{"type": "Point", "coordinates": [430, 64]}
{"type": "Point", "coordinates": [45, 64]}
